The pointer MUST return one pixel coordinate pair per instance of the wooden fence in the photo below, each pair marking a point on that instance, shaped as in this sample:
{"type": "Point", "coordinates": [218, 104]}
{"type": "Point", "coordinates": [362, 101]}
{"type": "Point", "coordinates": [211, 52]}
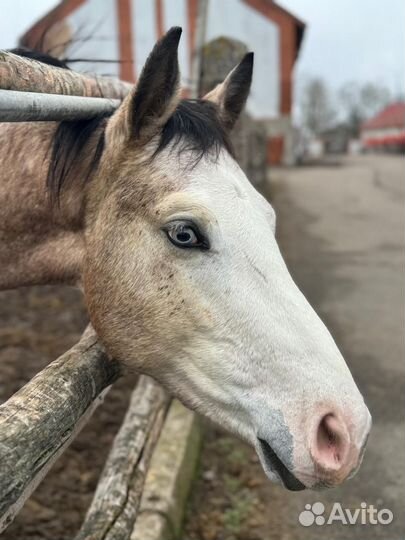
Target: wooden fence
{"type": "Point", "coordinates": [39, 421]}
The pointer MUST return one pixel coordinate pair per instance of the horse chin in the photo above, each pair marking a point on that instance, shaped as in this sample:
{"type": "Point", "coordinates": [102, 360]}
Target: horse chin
{"type": "Point", "coordinates": [275, 469]}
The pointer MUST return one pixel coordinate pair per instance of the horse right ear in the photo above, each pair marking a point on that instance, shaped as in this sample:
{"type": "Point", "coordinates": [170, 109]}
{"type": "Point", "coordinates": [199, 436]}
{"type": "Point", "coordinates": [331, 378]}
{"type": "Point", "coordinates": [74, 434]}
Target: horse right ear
{"type": "Point", "coordinates": [154, 98]}
{"type": "Point", "coordinates": [230, 96]}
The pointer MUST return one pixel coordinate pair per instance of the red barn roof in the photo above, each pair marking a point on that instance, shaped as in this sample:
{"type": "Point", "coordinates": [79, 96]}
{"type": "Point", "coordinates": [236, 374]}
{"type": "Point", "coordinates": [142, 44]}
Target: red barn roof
{"type": "Point", "coordinates": [391, 116]}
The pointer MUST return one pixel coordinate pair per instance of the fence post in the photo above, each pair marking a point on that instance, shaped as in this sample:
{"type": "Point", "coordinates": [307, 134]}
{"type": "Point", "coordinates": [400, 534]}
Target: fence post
{"type": "Point", "coordinates": [249, 138]}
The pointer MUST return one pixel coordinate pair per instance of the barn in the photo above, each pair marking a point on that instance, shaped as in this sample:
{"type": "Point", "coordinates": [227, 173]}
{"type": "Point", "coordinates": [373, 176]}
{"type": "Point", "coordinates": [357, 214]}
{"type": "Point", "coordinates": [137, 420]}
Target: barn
{"type": "Point", "coordinates": [386, 130]}
{"type": "Point", "coordinates": [115, 37]}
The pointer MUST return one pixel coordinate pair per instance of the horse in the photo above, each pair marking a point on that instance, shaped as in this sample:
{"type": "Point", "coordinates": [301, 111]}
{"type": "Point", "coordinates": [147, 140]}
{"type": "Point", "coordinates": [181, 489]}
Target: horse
{"type": "Point", "coordinates": [149, 213]}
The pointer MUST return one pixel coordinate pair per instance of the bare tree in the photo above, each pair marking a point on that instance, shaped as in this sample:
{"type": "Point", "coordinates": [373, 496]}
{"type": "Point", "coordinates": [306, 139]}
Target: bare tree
{"type": "Point", "coordinates": [318, 113]}
{"type": "Point", "coordinates": [359, 102]}
{"type": "Point", "coordinates": [374, 97]}
{"type": "Point", "coordinates": [349, 97]}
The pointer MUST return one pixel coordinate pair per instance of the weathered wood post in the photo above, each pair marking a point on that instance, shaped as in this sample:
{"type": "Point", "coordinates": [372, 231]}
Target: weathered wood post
{"type": "Point", "coordinates": [115, 505]}
{"type": "Point", "coordinates": [219, 57]}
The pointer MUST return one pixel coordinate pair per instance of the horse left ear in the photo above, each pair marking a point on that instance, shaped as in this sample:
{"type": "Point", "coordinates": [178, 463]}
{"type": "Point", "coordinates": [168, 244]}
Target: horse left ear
{"type": "Point", "coordinates": [154, 98]}
{"type": "Point", "coordinates": [231, 95]}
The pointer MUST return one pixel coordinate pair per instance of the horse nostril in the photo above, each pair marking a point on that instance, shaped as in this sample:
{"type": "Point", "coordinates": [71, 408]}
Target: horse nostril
{"type": "Point", "coordinates": [332, 444]}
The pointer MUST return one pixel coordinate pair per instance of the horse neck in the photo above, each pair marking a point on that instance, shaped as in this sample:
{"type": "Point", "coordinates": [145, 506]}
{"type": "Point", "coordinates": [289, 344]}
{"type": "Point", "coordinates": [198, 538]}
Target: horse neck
{"type": "Point", "coordinates": [38, 245]}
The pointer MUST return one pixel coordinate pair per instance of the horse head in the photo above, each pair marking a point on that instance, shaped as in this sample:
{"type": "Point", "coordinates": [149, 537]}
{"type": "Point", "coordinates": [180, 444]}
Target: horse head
{"type": "Point", "coordinates": [184, 281]}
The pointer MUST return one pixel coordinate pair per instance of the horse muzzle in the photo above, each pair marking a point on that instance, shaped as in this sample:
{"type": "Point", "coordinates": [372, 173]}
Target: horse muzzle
{"type": "Point", "coordinates": [333, 452]}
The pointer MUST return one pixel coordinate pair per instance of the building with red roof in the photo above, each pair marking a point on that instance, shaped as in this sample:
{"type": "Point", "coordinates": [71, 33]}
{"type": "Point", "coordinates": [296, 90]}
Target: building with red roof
{"type": "Point", "coordinates": [386, 130]}
{"type": "Point", "coordinates": [119, 34]}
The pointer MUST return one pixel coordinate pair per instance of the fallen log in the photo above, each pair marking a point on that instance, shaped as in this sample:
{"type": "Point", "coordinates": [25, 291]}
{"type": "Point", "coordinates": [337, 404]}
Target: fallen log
{"type": "Point", "coordinates": [28, 75]}
{"type": "Point", "coordinates": [113, 511]}
{"type": "Point", "coordinates": [32, 107]}
{"type": "Point", "coordinates": [38, 422]}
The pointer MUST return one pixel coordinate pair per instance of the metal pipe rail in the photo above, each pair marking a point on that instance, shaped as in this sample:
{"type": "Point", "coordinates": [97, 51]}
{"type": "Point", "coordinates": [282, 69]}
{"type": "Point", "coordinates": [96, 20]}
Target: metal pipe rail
{"type": "Point", "coordinates": [34, 107]}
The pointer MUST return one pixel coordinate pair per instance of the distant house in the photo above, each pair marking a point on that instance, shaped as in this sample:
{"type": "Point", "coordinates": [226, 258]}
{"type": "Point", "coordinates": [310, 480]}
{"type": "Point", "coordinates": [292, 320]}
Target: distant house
{"type": "Point", "coordinates": [386, 131]}
{"type": "Point", "coordinates": [336, 140]}
{"type": "Point", "coordinates": [119, 34]}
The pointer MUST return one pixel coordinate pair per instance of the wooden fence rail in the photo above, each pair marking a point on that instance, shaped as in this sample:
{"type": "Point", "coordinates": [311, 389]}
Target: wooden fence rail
{"type": "Point", "coordinates": [38, 422]}
{"type": "Point", "coordinates": [31, 91]}
{"type": "Point", "coordinates": [115, 505]}
{"type": "Point", "coordinates": [27, 75]}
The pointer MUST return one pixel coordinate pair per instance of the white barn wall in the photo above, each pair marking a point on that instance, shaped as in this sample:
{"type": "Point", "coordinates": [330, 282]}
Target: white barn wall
{"type": "Point", "coordinates": [144, 31]}
{"type": "Point", "coordinates": [98, 21]}
{"type": "Point", "coordinates": [231, 18]}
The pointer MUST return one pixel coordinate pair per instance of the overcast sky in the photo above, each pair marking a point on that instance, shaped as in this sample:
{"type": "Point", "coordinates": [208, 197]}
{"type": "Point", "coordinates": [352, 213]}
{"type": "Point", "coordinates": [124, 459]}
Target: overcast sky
{"type": "Point", "coordinates": [17, 16]}
{"type": "Point", "coordinates": [361, 40]}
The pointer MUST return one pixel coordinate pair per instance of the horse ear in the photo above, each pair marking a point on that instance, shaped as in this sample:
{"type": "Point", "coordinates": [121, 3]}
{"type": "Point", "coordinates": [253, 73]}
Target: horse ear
{"type": "Point", "coordinates": [154, 98]}
{"type": "Point", "coordinates": [231, 95]}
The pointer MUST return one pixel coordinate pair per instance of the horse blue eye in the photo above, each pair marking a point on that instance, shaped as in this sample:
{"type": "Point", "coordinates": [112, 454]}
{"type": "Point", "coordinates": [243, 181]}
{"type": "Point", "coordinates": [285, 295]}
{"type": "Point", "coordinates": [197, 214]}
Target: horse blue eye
{"type": "Point", "coordinates": [184, 234]}
{"type": "Point", "coordinates": [186, 237]}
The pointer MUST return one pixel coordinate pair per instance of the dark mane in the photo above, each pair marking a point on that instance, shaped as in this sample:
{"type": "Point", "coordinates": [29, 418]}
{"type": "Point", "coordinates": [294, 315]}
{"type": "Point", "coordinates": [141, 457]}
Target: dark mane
{"type": "Point", "coordinates": [72, 155]}
{"type": "Point", "coordinates": [194, 126]}
{"type": "Point", "coordinates": [77, 146]}
{"type": "Point", "coordinates": [70, 138]}
{"type": "Point", "coordinates": [33, 54]}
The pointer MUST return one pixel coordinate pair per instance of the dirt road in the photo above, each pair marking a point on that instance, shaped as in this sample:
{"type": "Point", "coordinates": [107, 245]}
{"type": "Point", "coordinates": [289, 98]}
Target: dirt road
{"type": "Point", "coordinates": [341, 230]}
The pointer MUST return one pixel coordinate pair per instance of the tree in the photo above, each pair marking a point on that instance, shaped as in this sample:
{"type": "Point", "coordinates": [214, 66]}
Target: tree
{"type": "Point", "coordinates": [374, 97]}
{"type": "Point", "coordinates": [318, 113]}
{"type": "Point", "coordinates": [350, 101]}
{"type": "Point", "coordinates": [360, 102]}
